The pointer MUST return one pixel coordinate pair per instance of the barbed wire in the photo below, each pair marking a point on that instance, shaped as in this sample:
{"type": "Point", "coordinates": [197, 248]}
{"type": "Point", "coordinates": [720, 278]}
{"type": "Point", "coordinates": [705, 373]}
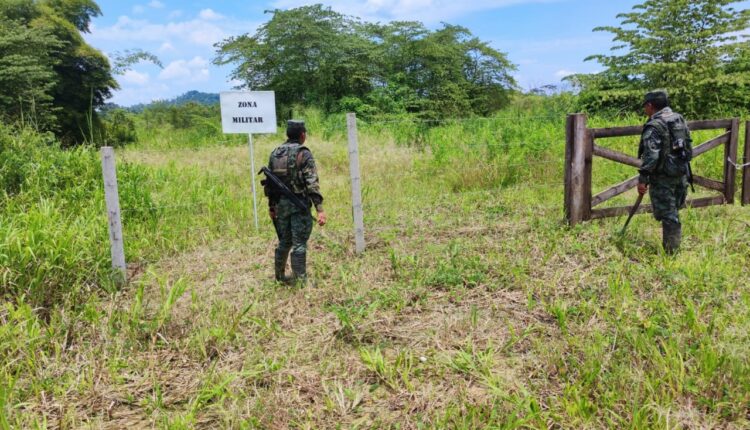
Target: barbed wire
{"type": "Point", "coordinates": [458, 120]}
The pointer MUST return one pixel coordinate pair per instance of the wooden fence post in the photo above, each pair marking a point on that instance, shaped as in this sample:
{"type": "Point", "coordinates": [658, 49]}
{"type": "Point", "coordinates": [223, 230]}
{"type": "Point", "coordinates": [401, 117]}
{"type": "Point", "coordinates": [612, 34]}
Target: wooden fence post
{"type": "Point", "coordinates": [730, 162]}
{"type": "Point", "coordinates": [112, 198]}
{"type": "Point", "coordinates": [569, 122]}
{"type": "Point", "coordinates": [578, 181]}
{"type": "Point", "coordinates": [359, 222]}
{"type": "Point", "coordinates": [746, 169]}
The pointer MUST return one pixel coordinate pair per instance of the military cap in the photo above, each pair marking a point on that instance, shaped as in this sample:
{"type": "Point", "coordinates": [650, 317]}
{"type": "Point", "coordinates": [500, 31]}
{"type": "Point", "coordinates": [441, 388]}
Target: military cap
{"type": "Point", "coordinates": [657, 98]}
{"type": "Point", "coordinates": [295, 128]}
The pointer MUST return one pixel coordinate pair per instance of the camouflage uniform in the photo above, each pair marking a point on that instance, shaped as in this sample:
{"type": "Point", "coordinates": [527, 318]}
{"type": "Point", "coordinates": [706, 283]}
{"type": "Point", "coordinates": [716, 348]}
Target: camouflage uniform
{"type": "Point", "coordinates": [294, 164]}
{"type": "Point", "coordinates": [667, 190]}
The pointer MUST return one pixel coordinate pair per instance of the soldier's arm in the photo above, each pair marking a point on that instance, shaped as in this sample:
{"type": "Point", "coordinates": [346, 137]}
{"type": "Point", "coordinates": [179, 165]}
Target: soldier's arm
{"type": "Point", "coordinates": [312, 183]}
{"type": "Point", "coordinates": [649, 153]}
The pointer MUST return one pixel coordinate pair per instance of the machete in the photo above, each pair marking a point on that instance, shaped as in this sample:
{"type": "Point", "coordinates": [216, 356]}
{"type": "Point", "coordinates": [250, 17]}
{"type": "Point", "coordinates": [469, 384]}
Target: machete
{"type": "Point", "coordinates": [632, 212]}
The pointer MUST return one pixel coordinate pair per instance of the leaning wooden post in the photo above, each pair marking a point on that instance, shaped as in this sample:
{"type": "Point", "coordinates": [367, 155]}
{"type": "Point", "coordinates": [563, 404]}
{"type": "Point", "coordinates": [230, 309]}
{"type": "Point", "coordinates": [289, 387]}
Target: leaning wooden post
{"type": "Point", "coordinates": [112, 198]}
{"type": "Point", "coordinates": [730, 161]}
{"type": "Point", "coordinates": [359, 221]}
{"type": "Point", "coordinates": [579, 179]}
{"type": "Point", "coordinates": [746, 168]}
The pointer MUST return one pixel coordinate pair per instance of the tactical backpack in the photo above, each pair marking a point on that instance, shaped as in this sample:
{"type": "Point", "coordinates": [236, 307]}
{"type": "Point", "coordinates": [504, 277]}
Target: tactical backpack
{"type": "Point", "coordinates": [286, 163]}
{"type": "Point", "coordinates": [676, 152]}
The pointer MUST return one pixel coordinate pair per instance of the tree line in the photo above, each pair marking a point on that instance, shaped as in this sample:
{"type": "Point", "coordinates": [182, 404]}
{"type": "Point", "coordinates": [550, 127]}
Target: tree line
{"type": "Point", "coordinates": [313, 56]}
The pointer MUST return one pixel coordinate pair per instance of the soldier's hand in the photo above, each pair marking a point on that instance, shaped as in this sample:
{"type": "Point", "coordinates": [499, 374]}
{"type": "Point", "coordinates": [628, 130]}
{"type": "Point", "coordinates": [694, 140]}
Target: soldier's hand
{"type": "Point", "coordinates": [272, 213]}
{"type": "Point", "coordinates": [322, 218]}
{"type": "Point", "coordinates": [642, 188]}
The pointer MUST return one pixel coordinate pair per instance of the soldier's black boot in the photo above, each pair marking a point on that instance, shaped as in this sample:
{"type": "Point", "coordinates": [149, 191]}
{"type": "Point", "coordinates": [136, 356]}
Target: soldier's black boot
{"type": "Point", "coordinates": [299, 268]}
{"type": "Point", "coordinates": [671, 237]}
{"type": "Point", "coordinates": [279, 265]}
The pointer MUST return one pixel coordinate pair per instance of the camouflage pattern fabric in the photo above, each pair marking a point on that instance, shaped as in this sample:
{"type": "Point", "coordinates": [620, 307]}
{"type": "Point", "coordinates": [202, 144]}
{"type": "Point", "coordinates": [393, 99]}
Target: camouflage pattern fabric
{"type": "Point", "coordinates": [293, 227]}
{"type": "Point", "coordinates": [667, 193]}
{"type": "Point", "coordinates": [667, 197]}
{"type": "Point", "coordinates": [295, 166]}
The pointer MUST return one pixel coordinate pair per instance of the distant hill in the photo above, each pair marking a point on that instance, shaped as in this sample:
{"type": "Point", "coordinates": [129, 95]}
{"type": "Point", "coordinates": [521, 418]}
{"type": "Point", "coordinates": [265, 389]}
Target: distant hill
{"type": "Point", "coordinates": [188, 97]}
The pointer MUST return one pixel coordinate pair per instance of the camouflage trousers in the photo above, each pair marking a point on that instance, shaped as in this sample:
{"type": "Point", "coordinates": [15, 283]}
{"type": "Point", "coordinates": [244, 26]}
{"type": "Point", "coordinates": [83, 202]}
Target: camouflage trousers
{"type": "Point", "coordinates": [293, 227]}
{"type": "Point", "coordinates": [668, 195]}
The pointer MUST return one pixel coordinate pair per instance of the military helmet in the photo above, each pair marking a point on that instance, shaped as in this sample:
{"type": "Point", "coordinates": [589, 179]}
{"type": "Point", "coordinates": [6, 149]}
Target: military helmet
{"type": "Point", "coordinates": [658, 98]}
{"type": "Point", "coordinates": [295, 128]}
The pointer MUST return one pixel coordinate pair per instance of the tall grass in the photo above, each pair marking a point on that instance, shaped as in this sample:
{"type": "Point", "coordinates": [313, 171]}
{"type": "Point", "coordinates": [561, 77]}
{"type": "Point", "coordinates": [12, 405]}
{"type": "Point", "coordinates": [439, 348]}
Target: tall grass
{"type": "Point", "coordinates": [475, 306]}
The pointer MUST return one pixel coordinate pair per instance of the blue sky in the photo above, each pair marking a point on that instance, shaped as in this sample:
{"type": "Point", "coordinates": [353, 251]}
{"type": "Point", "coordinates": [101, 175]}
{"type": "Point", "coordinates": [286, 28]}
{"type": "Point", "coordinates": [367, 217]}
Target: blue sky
{"type": "Point", "coordinates": [547, 39]}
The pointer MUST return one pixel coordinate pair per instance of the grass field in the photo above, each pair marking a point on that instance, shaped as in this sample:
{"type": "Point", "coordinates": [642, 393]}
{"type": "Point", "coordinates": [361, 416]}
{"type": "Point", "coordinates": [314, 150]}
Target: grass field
{"type": "Point", "coordinates": [474, 306]}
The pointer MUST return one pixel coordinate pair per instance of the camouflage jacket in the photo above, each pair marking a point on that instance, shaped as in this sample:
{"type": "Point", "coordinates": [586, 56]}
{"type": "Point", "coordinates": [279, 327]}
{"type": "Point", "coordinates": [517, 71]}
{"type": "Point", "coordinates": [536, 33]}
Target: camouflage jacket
{"type": "Point", "coordinates": [295, 166]}
{"type": "Point", "coordinates": [654, 141]}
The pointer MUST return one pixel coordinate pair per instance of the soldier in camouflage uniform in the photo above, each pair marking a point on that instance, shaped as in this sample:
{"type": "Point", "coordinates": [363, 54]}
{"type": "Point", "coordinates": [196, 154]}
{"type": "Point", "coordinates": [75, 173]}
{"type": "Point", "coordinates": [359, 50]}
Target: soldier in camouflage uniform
{"type": "Point", "coordinates": [293, 163]}
{"type": "Point", "coordinates": [662, 173]}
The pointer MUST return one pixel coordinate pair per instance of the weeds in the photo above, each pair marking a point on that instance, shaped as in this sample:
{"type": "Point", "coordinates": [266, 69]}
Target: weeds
{"type": "Point", "coordinates": [473, 307]}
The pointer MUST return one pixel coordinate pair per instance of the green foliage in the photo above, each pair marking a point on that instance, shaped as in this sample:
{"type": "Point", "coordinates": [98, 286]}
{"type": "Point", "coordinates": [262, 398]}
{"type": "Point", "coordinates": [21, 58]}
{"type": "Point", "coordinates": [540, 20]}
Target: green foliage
{"type": "Point", "coordinates": [119, 128]}
{"type": "Point", "coordinates": [50, 76]}
{"type": "Point", "coordinates": [692, 48]}
{"type": "Point", "coordinates": [314, 56]}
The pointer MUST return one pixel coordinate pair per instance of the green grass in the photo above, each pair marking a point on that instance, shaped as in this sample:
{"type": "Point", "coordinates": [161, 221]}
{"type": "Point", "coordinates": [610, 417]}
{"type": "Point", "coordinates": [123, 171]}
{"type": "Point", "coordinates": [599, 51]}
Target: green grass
{"type": "Point", "coordinates": [475, 306]}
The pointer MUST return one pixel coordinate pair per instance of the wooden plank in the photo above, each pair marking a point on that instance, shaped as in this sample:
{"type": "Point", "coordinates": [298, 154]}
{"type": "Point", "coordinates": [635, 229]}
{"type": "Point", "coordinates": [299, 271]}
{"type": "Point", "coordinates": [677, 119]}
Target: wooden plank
{"type": "Point", "coordinates": [705, 202]}
{"type": "Point", "coordinates": [711, 124]}
{"type": "Point", "coordinates": [578, 170]}
{"type": "Point", "coordinates": [619, 211]}
{"type": "Point", "coordinates": [730, 161]}
{"type": "Point", "coordinates": [708, 183]}
{"type": "Point", "coordinates": [569, 122]}
{"type": "Point", "coordinates": [112, 200]}
{"type": "Point", "coordinates": [614, 191]}
{"type": "Point", "coordinates": [617, 156]}
{"type": "Point", "coordinates": [746, 169]}
{"type": "Point", "coordinates": [711, 144]}
{"type": "Point", "coordinates": [602, 133]}
{"type": "Point", "coordinates": [636, 130]}
{"type": "Point", "coordinates": [624, 210]}
{"type": "Point", "coordinates": [359, 219]}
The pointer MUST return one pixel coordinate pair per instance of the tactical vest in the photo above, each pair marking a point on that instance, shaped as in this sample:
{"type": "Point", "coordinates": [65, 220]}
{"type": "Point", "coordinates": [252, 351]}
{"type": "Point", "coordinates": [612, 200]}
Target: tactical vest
{"type": "Point", "coordinates": [286, 162]}
{"type": "Point", "coordinates": [677, 150]}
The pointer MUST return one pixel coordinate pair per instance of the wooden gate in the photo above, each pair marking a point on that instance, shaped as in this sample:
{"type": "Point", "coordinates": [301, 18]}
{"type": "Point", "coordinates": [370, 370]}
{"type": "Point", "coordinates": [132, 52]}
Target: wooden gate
{"type": "Point", "coordinates": [581, 146]}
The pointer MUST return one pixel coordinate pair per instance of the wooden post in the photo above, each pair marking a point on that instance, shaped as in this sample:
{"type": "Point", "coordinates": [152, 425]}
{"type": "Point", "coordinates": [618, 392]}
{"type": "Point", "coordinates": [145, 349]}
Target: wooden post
{"type": "Point", "coordinates": [730, 161]}
{"type": "Point", "coordinates": [568, 164]}
{"type": "Point", "coordinates": [359, 221]}
{"type": "Point", "coordinates": [112, 198]}
{"type": "Point", "coordinates": [580, 170]}
{"type": "Point", "coordinates": [746, 169]}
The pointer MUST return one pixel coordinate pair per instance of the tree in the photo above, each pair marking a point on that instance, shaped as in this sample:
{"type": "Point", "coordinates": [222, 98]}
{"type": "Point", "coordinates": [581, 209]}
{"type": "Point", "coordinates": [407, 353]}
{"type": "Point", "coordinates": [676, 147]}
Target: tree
{"type": "Point", "coordinates": [58, 76]}
{"type": "Point", "coordinates": [689, 47]}
{"type": "Point", "coordinates": [315, 56]}
{"type": "Point", "coordinates": [308, 55]}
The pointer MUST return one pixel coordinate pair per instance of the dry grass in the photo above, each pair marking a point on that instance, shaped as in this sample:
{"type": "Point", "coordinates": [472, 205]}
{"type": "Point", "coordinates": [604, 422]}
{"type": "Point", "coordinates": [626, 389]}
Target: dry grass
{"type": "Point", "coordinates": [468, 310]}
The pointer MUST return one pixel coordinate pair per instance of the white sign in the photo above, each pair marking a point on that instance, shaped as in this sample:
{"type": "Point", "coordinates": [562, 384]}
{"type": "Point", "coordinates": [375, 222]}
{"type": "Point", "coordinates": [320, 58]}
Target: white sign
{"type": "Point", "coordinates": [248, 112]}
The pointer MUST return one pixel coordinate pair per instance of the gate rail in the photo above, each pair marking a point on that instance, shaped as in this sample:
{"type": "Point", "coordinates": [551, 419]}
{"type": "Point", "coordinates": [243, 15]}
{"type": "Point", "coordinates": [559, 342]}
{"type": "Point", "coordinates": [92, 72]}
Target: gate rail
{"type": "Point", "coordinates": [580, 148]}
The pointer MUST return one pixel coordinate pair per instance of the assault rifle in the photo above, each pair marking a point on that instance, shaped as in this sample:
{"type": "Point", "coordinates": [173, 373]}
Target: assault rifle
{"type": "Point", "coordinates": [279, 186]}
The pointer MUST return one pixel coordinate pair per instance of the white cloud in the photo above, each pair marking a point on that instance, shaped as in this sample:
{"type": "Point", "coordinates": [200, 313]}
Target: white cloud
{"type": "Point", "coordinates": [560, 74]}
{"type": "Point", "coordinates": [166, 47]}
{"type": "Point", "coordinates": [198, 32]}
{"type": "Point", "coordinates": [195, 70]}
{"type": "Point", "coordinates": [174, 14]}
{"type": "Point", "coordinates": [156, 4]}
{"type": "Point", "coordinates": [138, 9]}
{"type": "Point", "coordinates": [210, 15]}
{"type": "Point", "coordinates": [430, 11]}
{"type": "Point", "coordinates": [135, 78]}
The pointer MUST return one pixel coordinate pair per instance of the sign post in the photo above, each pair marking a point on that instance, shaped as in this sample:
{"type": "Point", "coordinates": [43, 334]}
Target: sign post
{"type": "Point", "coordinates": [251, 112]}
